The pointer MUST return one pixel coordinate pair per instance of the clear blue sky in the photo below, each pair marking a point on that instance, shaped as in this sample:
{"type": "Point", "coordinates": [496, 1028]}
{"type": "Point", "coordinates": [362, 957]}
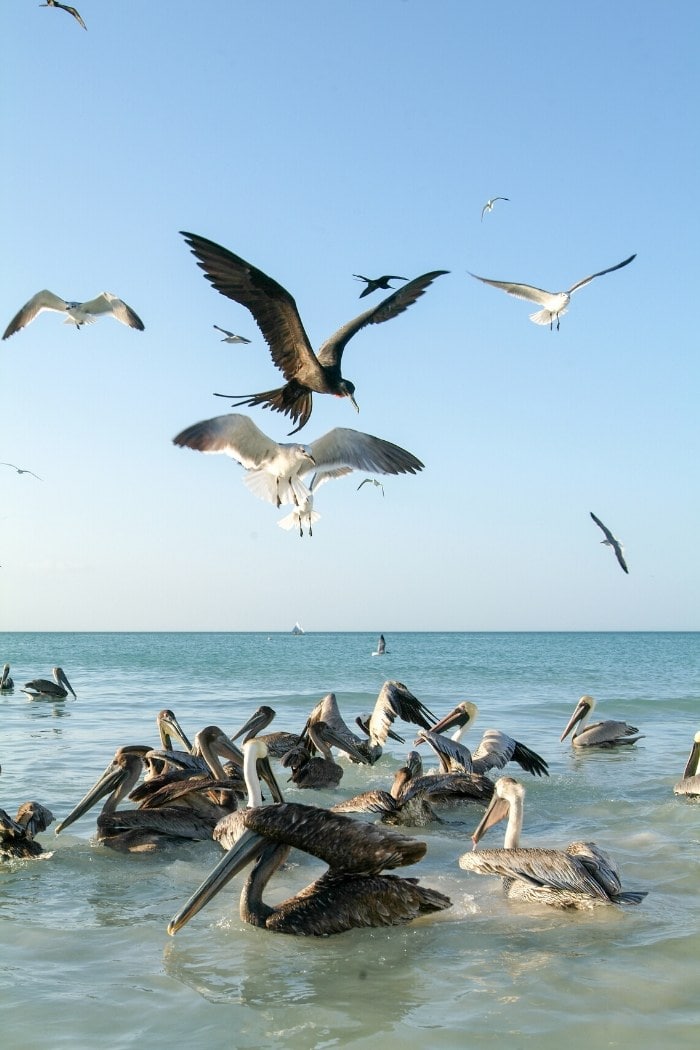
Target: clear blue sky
{"type": "Point", "coordinates": [319, 139]}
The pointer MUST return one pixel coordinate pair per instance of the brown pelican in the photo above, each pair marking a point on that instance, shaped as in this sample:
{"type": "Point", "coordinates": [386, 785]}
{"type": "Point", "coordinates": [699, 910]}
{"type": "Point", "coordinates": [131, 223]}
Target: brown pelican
{"type": "Point", "coordinates": [488, 207]}
{"type": "Point", "coordinates": [277, 317]}
{"type": "Point", "coordinates": [496, 748]}
{"type": "Point", "coordinates": [231, 337]}
{"type": "Point", "coordinates": [6, 683]}
{"type": "Point", "coordinates": [278, 744]}
{"type": "Point", "coordinates": [610, 541]}
{"type": "Point", "coordinates": [309, 771]}
{"type": "Point", "coordinates": [198, 780]}
{"type": "Point", "coordinates": [554, 303]}
{"type": "Point", "coordinates": [579, 876]}
{"type": "Point", "coordinates": [375, 283]}
{"type": "Point", "coordinates": [56, 690]}
{"type": "Point", "coordinates": [600, 734]}
{"type": "Point", "coordinates": [22, 470]}
{"type": "Point", "coordinates": [76, 313]}
{"type": "Point", "coordinates": [275, 471]}
{"type": "Point", "coordinates": [690, 784]}
{"type": "Point", "coordinates": [351, 894]}
{"type": "Point", "coordinates": [64, 7]}
{"type": "Point", "coordinates": [17, 840]}
{"type": "Point", "coordinates": [136, 830]}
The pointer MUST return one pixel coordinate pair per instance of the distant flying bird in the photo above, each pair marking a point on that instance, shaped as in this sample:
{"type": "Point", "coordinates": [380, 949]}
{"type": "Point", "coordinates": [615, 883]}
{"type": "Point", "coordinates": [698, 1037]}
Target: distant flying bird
{"type": "Point", "coordinates": [610, 541]}
{"type": "Point", "coordinates": [64, 7]}
{"type": "Point", "coordinates": [371, 481]}
{"type": "Point", "coordinates": [555, 303]}
{"type": "Point", "coordinates": [78, 313]}
{"type": "Point", "coordinates": [277, 317]}
{"type": "Point", "coordinates": [489, 205]}
{"type": "Point", "coordinates": [20, 470]}
{"type": "Point", "coordinates": [275, 471]}
{"type": "Point", "coordinates": [374, 283]}
{"type": "Point", "coordinates": [230, 337]}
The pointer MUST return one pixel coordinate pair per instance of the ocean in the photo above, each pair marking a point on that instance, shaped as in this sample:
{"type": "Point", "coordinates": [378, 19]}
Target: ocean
{"type": "Point", "coordinates": [85, 958]}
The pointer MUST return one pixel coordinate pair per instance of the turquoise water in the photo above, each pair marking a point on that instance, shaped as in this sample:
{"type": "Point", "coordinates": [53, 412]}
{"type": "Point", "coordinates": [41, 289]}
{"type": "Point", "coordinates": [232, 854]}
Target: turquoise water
{"type": "Point", "coordinates": [85, 957]}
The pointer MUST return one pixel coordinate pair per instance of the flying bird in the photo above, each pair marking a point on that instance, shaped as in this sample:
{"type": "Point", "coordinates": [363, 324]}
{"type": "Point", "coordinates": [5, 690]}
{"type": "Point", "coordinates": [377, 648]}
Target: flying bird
{"type": "Point", "coordinates": [77, 313]}
{"type": "Point", "coordinates": [231, 337]}
{"type": "Point", "coordinates": [275, 471]}
{"type": "Point", "coordinates": [22, 470]}
{"type": "Point", "coordinates": [277, 317]}
{"type": "Point", "coordinates": [371, 481]}
{"type": "Point", "coordinates": [374, 283]}
{"type": "Point", "coordinates": [489, 205]}
{"type": "Point", "coordinates": [610, 541]}
{"type": "Point", "coordinates": [554, 303]}
{"type": "Point", "coordinates": [64, 7]}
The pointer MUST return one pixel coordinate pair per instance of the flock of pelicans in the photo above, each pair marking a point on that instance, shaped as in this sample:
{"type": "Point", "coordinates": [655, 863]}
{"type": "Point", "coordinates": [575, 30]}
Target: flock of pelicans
{"type": "Point", "coordinates": [212, 787]}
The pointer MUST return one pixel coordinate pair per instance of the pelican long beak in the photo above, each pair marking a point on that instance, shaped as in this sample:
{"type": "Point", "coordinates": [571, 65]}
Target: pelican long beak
{"type": "Point", "coordinates": [248, 847]}
{"type": "Point", "coordinates": [168, 727]}
{"type": "Point", "coordinates": [62, 680]}
{"type": "Point", "coordinates": [496, 810]}
{"type": "Point", "coordinates": [580, 712]}
{"type": "Point", "coordinates": [457, 717]}
{"type": "Point", "coordinates": [113, 776]}
{"type": "Point", "coordinates": [257, 722]}
{"type": "Point", "coordinates": [265, 771]}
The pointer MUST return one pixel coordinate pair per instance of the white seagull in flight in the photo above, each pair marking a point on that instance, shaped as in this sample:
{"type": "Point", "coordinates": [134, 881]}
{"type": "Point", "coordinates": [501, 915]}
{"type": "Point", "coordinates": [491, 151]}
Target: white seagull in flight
{"type": "Point", "coordinates": [275, 471]}
{"type": "Point", "coordinates": [555, 303]}
{"type": "Point", "coordinates": [610, 541]}
{"type": "Point", "coordinates": [231, 337]}
{"type": "Point", "coordinates": [77, 313]}
{"type": "Point", "coordinates": [489, 205]}
{"type": "Point", "coordinates": [21, 470]}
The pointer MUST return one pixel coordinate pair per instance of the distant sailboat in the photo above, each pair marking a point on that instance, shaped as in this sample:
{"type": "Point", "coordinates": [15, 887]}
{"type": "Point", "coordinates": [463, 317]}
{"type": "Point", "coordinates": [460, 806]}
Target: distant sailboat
{"type": "Point", "coordinates": [297, 628]}
{"type": "Point", "coordinates": [381, 647]}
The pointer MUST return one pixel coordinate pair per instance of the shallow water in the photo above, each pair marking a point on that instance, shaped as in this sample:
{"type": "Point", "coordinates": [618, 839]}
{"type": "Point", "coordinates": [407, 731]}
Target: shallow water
{"type": "Point", "coordinates": [85, 955]}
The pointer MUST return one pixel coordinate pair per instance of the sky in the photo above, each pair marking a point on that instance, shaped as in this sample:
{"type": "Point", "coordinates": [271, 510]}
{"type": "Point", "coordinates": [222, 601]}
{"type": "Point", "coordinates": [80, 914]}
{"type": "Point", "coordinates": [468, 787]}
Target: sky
{"type": "Point", "coordinates": [319, 140]}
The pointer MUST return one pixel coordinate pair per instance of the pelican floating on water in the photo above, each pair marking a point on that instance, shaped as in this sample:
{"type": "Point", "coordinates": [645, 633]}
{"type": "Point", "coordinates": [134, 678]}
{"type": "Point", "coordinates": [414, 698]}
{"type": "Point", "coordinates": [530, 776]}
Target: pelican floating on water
{"type": "Point", "coordinates": [351, 894]}
{"type": "Point", "coordinates": [580, 876]}
{"type": "Point", "coordinates": [690, 784]}
{"type": "Point", "coordinates": [76, 313]}
{"type": "Point", "coordinates": [601, 734]}
{"type": "Point", "coordinates": [496, 748]}
{"type": "Point", "coordinates": [56, 690]}
{"type": "Point", "coordinates": [277, 744]}
{"type": "Point", "coordinates": [310, 771]}
{"type": "Point", "coordinates": [17, 840]}
{"type": "Point", "coordinates": [6, 683]}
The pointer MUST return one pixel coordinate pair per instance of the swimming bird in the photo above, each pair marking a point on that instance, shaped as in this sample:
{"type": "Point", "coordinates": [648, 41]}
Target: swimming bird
{"type": "Point", "coordinates": [56, 690]}
{"type": "Point", "coordinates": [21, 470]}
{"type": "Point", "coordinates": [351, 894]}
{"type": "Point", "coordinates": [231, 337]}
{"type": "Point", "coordinates": [601, 734]}
{"type": "Point", "coordinates": [496, 748]}
{"type": "Point", "coordinates": [580, 876]}
{"type": "Point", "coordinates": [64, 7]}
{"type": "Point", "coordinates": [6, 683]}
{"type": "Point", "coordinates": [610, 541]}
{"type": "Point", "coordinates": [374, 283]}
{"type": "Point", "coordinates": [554, 304]}
{"type": "Point", "coordinates": [488, 207]}
{"type": "Point", "coordinates": [381, 647]}
{"type": "Point", "coordinates": [311, 771]}
{"type": "Point", "coordinates": [17, 841]}
{"type": "Point", "coordinates": [277, 744]}
{"type": "Point", "coordinates": [77, 313]}
{"type": "Point", "coordinates": [275, 471]}
{"type": "Point", "coordinates": [277, 317]}
{"type": "Point", "coordinates": [690, 784]}
{"type": "Point", "coordinates": [371, 481]}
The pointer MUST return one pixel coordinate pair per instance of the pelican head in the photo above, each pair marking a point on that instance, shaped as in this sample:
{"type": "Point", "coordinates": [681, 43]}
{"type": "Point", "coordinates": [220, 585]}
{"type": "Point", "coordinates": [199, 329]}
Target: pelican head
{"type": "Point", "coordinates": [258, 721]}
{"type": "Point", "coordinates": [464, 714]}
{"type": "Point", "coordinates": [118, 779]}
{"type": "Point", "coordinates": [507, 792]}
{"type": "Point", "coordinates": [582, 712]}
{"type": "Point", "coordinates": [61, 679]}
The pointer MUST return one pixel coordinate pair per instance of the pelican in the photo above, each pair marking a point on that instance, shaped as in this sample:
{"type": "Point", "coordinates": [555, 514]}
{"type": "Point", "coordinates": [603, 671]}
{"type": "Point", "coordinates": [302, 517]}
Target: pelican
{"type": "Point", "coordinates": [580, 876]}
{"type": "Point", "coordinates": [17, 840]}
{"type": "Point", "coordinates": [22, 470]}
{"type": "Point", "coordinates": [381, 646]}
{"type": "Point", "coordinates": [6, 683]}
{"type": "Point", "coordinates": [277, 317]}
{"type": "Point", "coordinates": [375, 283]}
{"type": "Point", "coordinates": [600, 734]}
{"type": "Point", "coordinates": [488, 207]}
{"type": "Point", "coordinates": [136, 830]}
{"type": "Point", "coordinates": [351, 894]}
{"type": "Point", "coordinates": [277, 744]}
{"type": "Point", "coordinates": [76, 313]}
{"type": "Point", "coordinates": [275, 471]}
{"type": "Point", "coordinates": [198, 780]}
{"type": "Point", "coordinates": [56, 690]}
{"type": "Point", "coordinates": [231, 337]}
{"type": "Point", "coordinates": [610, 541]}
{"type": "Point", "coordinates": [690, 784]}
{"type": "Point", "coordinates": [554, 304]}
{"type": "Point", "coordinates": [309, 771]}
{"type": "Point", "coordinates": [496, 748]}
{"type": "Point", "coordinates": [64, 7]}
